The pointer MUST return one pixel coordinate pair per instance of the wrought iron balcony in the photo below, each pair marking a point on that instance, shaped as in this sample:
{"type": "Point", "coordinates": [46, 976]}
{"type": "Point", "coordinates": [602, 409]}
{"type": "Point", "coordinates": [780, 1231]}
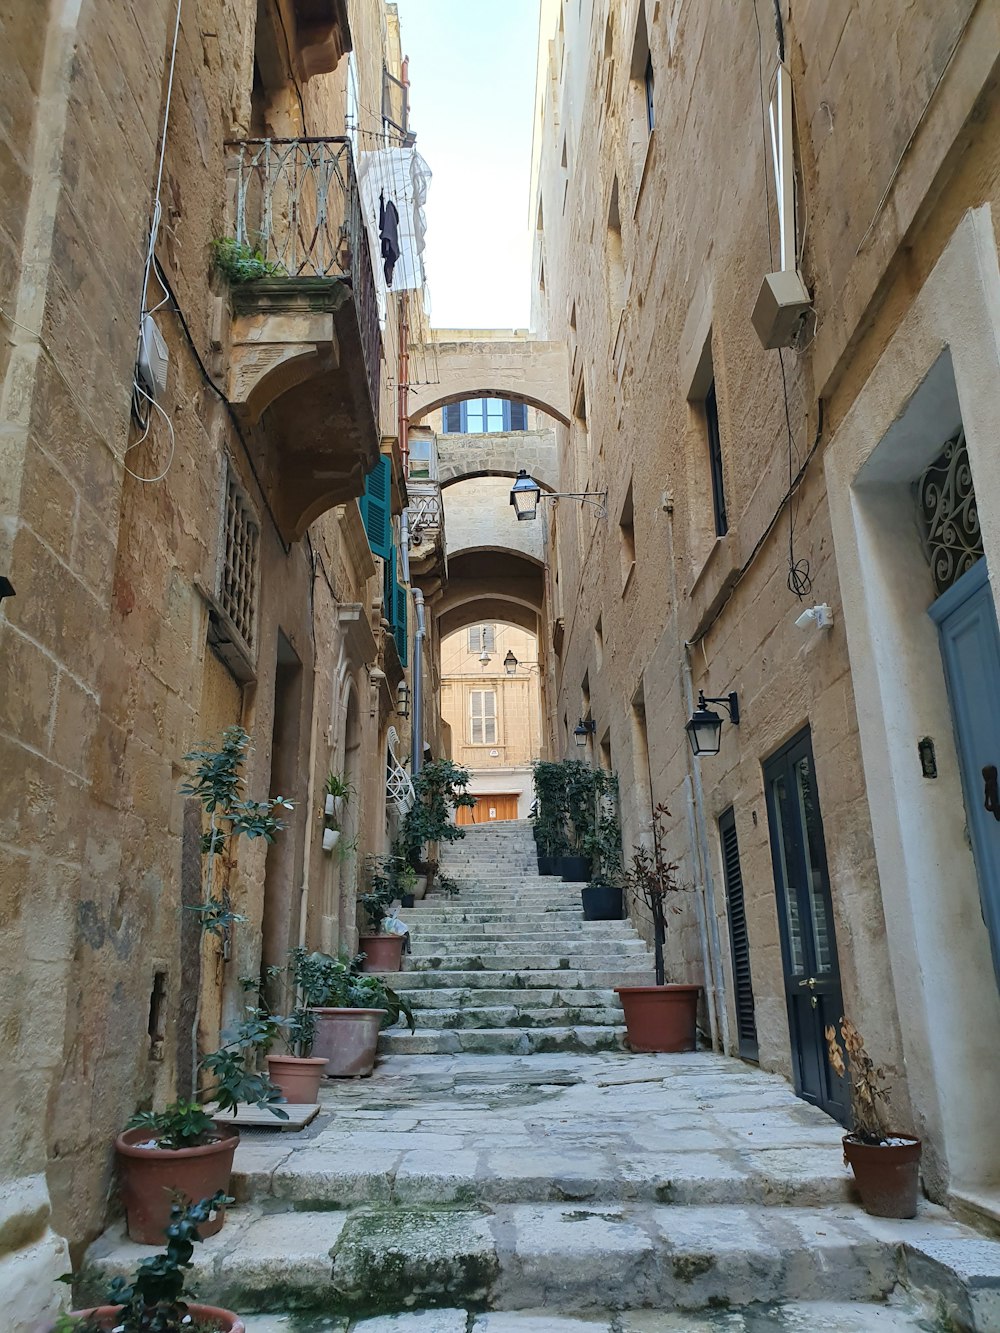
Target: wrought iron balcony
{"type": "Point", "coordinates": [306, 335]}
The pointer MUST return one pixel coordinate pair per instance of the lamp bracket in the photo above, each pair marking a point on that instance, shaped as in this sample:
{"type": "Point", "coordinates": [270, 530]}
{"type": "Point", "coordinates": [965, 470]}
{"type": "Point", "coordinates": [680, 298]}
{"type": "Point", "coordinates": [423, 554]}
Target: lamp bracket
{"type": "Point", "coordinates": [730, 703]}
{"type": "Point", "coordinates": [585, 497]}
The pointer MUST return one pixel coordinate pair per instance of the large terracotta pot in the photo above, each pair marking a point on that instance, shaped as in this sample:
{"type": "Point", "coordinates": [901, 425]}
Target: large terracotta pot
{"type": "Point", "coordinates": [660, 1018]}
{"type": "Point", "coordinates": [383, 953]}
{"type": "Point", "coordinates": [347, 1038]}
{"type": "Point", "coordinates": [151, 1176]}
{"type": "Point", "coordinates": [298, 1077]}
{"type": "Point", "coordinates": [887, 1174]}
{"type": "Point", "coordinates": [226, 1320]}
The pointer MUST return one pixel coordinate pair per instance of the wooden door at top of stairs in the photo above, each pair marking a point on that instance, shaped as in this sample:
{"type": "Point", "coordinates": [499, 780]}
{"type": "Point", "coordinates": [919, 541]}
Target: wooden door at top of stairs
{"type": "Point", "coordinates": [489, 809]}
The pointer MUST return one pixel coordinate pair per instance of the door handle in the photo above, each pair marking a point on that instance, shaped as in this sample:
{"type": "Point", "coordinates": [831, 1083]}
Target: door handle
{"type": "Point", "coordinates": [811, 981]}
{"type": "Point", "coordinates": [991, 791]}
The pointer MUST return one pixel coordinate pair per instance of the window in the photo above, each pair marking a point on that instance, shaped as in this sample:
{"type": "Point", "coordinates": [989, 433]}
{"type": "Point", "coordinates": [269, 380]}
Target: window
{"type": "Point", "coordinates": [715, 461]}
{"type": "Point", "coordinates": [626, 531]}
{"type": "Point", "coordinates": [615, 257]}
{"type": "Point", "coordinates": [483, 717]}
{"type": "Point", "coordinates": [238, 578]}
{"type": "Point", "coordinates": [482, 637]}
{"type": "Point", "coordinates": [480, 416]}
{"type": "Point", "coordinates": [648, 83]}
{"type": "Point", "coordinates": [599, 642]}
{"type": "Point", "coordinates": [642, 81]}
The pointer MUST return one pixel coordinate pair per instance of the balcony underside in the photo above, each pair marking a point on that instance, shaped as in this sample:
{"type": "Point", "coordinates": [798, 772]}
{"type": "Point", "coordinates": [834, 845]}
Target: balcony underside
{"type": "Point", "coordinates": [298, 381]}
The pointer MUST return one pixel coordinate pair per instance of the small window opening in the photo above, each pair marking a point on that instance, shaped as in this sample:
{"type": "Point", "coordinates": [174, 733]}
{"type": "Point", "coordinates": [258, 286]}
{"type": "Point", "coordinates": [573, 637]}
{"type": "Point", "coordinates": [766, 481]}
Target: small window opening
{"type": "Point", "coordinates": [156, 1026]}
{"type": "Point", "coordinates": [626, 531]}
{"type": "Point", "coordinates": [715, 462]}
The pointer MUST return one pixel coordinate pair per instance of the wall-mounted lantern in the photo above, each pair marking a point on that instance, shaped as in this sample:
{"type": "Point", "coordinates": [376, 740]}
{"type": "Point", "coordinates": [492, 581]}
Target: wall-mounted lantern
{"type": "Point", "coordinates": [584, 728]}
{"type": "Point", "coordinates": [510, 663]}
{"type": "Point", "coordinates": [704, 727]}
{"type": "Point", "coordinates": [403, 699]}
{"type": "Point", "coordinates": [526, 494]}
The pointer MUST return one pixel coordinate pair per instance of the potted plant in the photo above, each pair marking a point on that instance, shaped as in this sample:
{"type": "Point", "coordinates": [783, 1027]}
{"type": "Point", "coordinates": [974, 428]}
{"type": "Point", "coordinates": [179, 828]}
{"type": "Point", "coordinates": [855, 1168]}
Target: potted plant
{"type": "Point", "coordinates": [382, 949]}
{"type": "Point", "coordinates": [180, 1150]}
{"type": "Point", "coordinates": [153, 1300]}
{"type": "Point", "coordinates": [338, 792]}
{"type": "Point", "coordinates": [580, 814]}
{"type": "Point", "coordinates": [440, 787]}
{"type": "Point", "coordinates": [549, 816]}
{"type": "Point", "coordinates": [297, 1072]}
{"type": "Point", "coordinates": [603, 896]}
{"type": "Point", "coordinates": [886, 1165]}
{"type": "Point", "coordinates": [661, 1017]}
{"type": "Point", "coordinates": [351, 1008]}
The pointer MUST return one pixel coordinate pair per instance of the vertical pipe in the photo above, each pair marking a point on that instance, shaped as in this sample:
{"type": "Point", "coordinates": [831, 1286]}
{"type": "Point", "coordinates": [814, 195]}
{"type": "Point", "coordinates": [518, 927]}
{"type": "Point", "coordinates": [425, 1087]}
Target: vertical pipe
{"type": "Point", "coordinates": [417, 680]}
{"type": "Point", "coordinates": [403, 380]}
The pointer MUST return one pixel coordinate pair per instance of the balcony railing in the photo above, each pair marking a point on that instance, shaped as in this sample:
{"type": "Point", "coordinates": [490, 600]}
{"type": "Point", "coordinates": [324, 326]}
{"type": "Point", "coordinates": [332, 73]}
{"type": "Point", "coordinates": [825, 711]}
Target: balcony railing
{"type": "Point", "coordinates": [297, 203]}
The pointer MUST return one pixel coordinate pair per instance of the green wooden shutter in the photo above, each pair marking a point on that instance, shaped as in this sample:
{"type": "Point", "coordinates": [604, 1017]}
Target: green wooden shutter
{"type": "Point", "coordinates": [389, 585]}
{"type": "Point", "coordinates": [376, 508]}
{"type": "Point", "coordinates": [402, 605]}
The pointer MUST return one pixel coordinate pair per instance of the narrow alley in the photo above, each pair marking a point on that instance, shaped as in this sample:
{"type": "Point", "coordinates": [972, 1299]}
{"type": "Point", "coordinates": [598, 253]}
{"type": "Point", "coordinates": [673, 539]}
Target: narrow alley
{"type": "Point", "coordinates": [499, 666]}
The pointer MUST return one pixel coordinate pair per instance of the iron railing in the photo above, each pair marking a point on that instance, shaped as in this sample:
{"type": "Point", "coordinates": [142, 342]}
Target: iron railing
{"type": "Point", "coordinates": [297, 203]}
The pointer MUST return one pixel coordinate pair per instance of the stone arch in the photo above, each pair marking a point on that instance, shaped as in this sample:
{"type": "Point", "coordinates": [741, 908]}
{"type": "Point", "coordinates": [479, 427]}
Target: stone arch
{"type": "Point", "coordinates": [496, 364]}
{"type": "Point", "coordinates": [492, 583]}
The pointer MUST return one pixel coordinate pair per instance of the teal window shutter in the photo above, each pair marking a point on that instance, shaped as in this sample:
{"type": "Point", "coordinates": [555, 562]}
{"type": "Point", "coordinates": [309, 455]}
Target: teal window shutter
{"type": "Point", "coordinates": [376, 508]}
{"type": "Point", "coordinates": [389, 584]}
{"type": "Point", "coordinates": [400, 619]}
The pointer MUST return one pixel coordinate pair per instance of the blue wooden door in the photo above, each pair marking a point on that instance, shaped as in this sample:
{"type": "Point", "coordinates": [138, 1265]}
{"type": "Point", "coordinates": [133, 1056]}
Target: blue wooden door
{"type": "Point", "coordinates": [970, 646]}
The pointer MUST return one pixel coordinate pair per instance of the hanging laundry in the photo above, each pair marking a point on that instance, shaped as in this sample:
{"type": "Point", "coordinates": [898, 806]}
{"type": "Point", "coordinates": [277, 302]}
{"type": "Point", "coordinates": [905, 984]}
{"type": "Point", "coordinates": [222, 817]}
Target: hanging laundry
{"type": "Point", "coordinates": [388, 228]}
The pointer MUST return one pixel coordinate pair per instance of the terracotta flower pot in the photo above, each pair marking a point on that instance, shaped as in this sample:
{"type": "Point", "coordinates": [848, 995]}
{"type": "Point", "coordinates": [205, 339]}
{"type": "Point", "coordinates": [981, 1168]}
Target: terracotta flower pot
{"type": "Point", "coordinates": [298, 1077]}
{"type": "Point", "coordinates": [383, 953]}
{"type": "Point", "coordinates": [226, 1320]}
{"type": "Point", "coordinates": [151, 1176]}
{"type": "Point", "coordinates": [347, 1039]}
{"type": "Point", "coordinates": [887, 1174]}
{"type": "Point", "coordinates": [660, 1018]}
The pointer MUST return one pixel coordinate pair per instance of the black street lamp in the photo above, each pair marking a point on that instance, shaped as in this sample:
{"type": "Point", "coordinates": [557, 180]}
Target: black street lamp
{"type": "Point", "coordinates": [583, 729]}
{"type": "Point", "coordinates": [704, 727]}
{"type": "Point", "coordinates": [510, 663]}
{"type": "Point", "coordinates": [526, 494]}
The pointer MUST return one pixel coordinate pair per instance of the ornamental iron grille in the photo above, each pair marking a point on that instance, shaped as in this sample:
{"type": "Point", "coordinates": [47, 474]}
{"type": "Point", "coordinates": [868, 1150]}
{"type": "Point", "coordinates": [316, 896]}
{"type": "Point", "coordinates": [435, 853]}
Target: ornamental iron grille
{"type": "Point", "coordinates": [949, 516]}
{"type": "Point", "coordinates": [238, 582]}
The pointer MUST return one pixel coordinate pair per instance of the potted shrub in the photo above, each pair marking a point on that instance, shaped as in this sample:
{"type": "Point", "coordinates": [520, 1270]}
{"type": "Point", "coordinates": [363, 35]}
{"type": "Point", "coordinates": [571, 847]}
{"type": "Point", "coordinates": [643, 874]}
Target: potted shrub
{"type": "Point", "coordinates": [661, 1017]}
{"type": "Point", "coordinates": [886, 1165]}
{"type": "Point", "coordinates": [338, 792]}
{"type": "Point", "coordinates": [548, 815]}
{"type": "Point", "coordinates": [351, 1008]}
{"type": "Point", "coordinates": [297, 1072]}
{"type": "Point", "coordinates": [580, 814]}
{"type": "Point", "coordinates": [153, 1300]}
{"type": "Point", "coordinates": [440, 787]}
{"type": "Point", "coordinates": [603, 896]}
{"type": "Point", "coordinates": [180, 1150]}
{"type": "Point", "coordinates": [382, 949]}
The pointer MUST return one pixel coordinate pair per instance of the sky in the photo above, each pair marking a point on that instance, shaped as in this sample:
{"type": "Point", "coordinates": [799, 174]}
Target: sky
{"type": "Point", "coordinates": [472, 77]}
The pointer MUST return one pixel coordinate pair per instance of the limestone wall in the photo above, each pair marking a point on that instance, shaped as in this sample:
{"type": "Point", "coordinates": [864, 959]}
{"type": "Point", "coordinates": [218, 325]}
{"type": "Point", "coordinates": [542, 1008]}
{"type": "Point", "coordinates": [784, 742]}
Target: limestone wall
{"type": "Point", "coordinates": [651, 248]}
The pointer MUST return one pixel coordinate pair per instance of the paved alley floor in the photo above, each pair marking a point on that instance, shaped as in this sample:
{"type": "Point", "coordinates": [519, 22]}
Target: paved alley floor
{"type": "Point", "coordinates": [572, 1194]}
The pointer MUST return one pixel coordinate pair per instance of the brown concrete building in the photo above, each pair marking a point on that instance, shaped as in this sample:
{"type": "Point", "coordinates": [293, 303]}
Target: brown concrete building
{"type": "Point", "coordinates": [187, 552]}
{"type": "Point", "coordinates": [855, 469]}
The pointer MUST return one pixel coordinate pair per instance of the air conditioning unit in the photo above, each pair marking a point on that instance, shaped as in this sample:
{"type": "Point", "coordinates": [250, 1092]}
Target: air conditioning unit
{"type": "Point", "coordinates": [153, 358]}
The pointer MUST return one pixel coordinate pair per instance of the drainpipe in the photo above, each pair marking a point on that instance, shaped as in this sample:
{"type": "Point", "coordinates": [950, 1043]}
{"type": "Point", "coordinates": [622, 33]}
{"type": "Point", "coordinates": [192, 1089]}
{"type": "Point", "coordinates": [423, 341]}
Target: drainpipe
{"type": "Point", "coordinates": [403, 381]}
{"type": "Point", "coordinates": [404, 543]}
{"type": "Point", "coordinates": [417, 683]}
{"type": "Point", "coordinates": [708, 926]}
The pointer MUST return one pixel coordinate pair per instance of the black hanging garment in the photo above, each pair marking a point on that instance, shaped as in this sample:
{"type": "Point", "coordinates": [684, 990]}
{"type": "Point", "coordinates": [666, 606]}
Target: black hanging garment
{"type": "Point", "coordinates": [388, 228]}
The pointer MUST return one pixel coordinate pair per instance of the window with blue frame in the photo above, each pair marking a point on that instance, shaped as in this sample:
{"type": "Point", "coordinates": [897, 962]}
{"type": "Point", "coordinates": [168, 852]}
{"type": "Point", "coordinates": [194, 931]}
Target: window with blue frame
{"type": "Point", "coordinates": [480, 416]}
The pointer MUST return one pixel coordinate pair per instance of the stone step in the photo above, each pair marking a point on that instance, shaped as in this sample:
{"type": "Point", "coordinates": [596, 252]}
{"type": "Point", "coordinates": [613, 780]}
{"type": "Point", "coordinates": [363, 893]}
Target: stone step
{"type": "Point", "coordinates": [456, 998]}
{"type": "Point", "coordinates": [572, 1257]}
{"type": "Point", "coordinates": [543, 919]}
{"type": "Point", "coordinates": [519, 1016]}
{"type": "Point", "coordinates": [523, 979]}
{"type": "Point", "coordinates": [502, 1041]}
{"type": "Point", "coordinates": [483, 933]}
{"type": "Point", "coordinates": [581, 946]}
{"type": "Point", "coordinates": [792, 1317]}
{"type": "Point", "coordinates": [571, 959]}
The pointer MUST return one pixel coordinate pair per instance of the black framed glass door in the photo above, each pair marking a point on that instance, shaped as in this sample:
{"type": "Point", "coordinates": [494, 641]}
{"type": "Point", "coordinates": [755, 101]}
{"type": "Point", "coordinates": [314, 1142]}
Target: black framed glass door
{"type": "Point", "coordinates": [805, 920]}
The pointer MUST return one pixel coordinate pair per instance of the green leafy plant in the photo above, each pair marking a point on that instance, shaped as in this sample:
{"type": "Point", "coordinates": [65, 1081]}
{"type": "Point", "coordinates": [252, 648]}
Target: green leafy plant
{"type": "Point", "coordinates": [652, 879]}
{"type": "Point", "coordinates": [326, 982]}
{"type": "Point", "coordinates": [549, 814]}
{"type": "Point", "coordinates": [338, 785]}
{"type": "Point", "coordinates": [239, 262]}
{"type": "Point", "coordinates": [603, 843]}
{"type": "Point", "coordinates": [153, 1300]}
{"type": "Point", "coordinates": [441, 787]}
{"type": "Point", "coordinates": [298, 1031]}
{"type": "Point", "coordinates": [182, 1124]}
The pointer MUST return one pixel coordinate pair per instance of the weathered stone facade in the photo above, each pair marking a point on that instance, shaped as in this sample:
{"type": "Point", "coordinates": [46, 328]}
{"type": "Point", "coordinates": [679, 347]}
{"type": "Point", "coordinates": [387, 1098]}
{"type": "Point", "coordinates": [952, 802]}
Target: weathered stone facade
{"type": "Point", "coordinates": [652, 241]}
{"type": "Point", "coordinates": [114, 540]}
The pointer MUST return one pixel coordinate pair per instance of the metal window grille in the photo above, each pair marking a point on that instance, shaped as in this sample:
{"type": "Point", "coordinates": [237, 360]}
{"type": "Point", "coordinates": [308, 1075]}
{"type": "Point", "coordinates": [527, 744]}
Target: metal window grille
{"type": "Point", "coordinates": [239, 577]}
{"type": "Point", "coordinates": [949, 515]}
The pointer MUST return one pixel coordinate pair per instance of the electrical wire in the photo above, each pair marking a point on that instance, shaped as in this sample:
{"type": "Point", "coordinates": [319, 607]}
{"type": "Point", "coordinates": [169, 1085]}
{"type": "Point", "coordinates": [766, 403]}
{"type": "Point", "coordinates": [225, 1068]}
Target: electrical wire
{"type": "Point", "coordinates": [173, 440]}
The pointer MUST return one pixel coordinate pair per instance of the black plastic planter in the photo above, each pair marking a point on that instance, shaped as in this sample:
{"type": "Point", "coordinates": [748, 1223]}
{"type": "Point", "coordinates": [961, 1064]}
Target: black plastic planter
{"type": "Point", "coordinates": [549, 865]}
{"type": "Point", "coordinates": [575, 869]}
{"type": "Point", "coordinates": [602, 902]}
{"type": "Point", "coordinates": [407, 900]}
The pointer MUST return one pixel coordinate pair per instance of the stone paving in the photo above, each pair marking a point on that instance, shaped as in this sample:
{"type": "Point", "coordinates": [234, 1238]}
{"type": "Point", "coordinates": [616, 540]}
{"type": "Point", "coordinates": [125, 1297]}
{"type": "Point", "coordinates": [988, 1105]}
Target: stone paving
{"type": "Point", "coordinates": [569, 1192]}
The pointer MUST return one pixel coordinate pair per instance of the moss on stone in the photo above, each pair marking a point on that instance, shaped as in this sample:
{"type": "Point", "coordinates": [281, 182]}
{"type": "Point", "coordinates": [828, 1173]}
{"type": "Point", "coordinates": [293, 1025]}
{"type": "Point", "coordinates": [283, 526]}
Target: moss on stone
{"type": "Point", "coordinates": [689, 1267]}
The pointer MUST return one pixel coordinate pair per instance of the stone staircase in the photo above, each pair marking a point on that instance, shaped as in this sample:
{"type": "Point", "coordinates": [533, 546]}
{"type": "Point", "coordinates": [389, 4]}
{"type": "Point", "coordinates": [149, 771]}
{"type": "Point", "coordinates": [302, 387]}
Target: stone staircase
{"type": "Point", "coordinates": [508, 966]}
{"type": "Point", "coordinates": [483, 1182]}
